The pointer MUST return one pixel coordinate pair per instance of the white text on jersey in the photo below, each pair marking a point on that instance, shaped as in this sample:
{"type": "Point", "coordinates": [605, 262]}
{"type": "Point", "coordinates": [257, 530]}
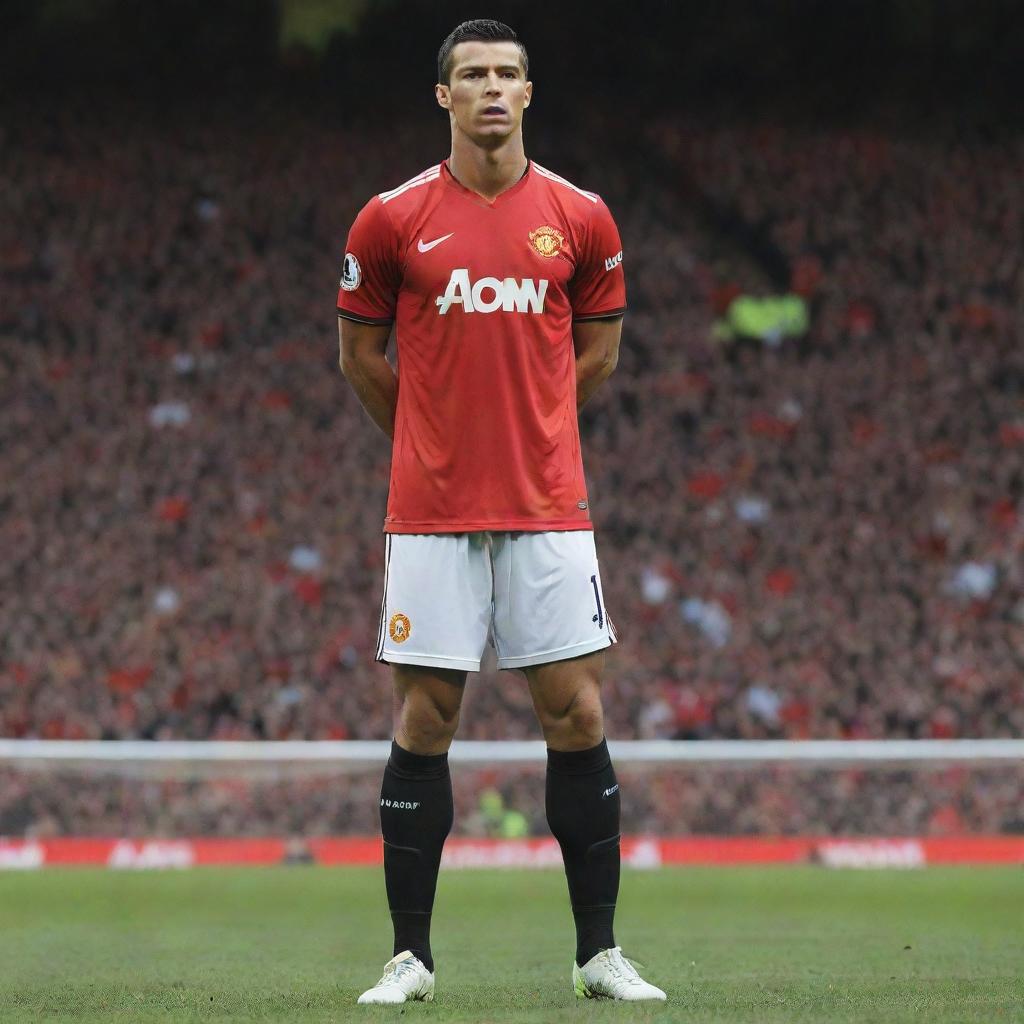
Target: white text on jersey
{"type": "Point", "coordinates": [613, 261]}
{"type": "Point", "coordinates": [491, 293]}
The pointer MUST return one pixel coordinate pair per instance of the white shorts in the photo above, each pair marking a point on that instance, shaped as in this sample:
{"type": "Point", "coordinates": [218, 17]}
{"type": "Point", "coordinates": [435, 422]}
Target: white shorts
{"type": "Point", "coordinates": [536, 596]}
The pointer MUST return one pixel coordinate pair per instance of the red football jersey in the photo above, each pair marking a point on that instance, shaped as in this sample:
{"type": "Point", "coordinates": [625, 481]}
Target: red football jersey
{"type": "Point", "coordinates": [483, 296]}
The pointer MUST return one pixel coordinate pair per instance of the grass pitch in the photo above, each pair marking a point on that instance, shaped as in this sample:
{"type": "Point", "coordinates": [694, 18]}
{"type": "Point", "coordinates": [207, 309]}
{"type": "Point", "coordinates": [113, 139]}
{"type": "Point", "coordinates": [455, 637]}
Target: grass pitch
{"type": "Point", "coordinates": [300, 944]}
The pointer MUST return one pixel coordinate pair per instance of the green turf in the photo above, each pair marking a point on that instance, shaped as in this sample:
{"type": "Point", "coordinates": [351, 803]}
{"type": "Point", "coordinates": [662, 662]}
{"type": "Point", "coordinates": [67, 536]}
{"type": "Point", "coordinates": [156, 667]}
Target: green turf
{"type": "Point", "coordinates": [299, 944]}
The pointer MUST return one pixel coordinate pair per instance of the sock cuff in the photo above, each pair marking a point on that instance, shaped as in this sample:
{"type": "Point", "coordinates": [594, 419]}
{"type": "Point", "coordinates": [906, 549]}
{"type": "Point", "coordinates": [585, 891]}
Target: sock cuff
{"type": "Point", "coordinates": [407, 764]}
{"type": "Point", "coordinates": [580, 762]}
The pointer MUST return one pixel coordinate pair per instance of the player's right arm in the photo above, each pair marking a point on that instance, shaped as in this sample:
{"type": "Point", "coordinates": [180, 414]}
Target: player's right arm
{"type": "Point", "coordinates": [367, 298]}
{"type": "Point", "coordinates": [366, 368]}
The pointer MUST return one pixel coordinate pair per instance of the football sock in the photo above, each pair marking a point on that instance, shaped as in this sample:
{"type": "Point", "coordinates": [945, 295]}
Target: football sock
{"type": "Point", "coordinates": [582, 802]}
{"type": "Point", "coordinates": [416, 814]}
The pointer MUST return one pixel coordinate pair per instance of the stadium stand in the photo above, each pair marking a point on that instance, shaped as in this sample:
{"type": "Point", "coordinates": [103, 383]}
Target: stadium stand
{"type": "Point", "coordinates": [811, 538]}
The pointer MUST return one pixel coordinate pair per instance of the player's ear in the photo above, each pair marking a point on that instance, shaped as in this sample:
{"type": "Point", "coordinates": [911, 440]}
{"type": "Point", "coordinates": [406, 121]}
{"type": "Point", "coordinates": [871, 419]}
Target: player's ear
{"type": "Point", "coordinates": [443, 95]}
{"type": "Point", "coordinates": [528, 94]}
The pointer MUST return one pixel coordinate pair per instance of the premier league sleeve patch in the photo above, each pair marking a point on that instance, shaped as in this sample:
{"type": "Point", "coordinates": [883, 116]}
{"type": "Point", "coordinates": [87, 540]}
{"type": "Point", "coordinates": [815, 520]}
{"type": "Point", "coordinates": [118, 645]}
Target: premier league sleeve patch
{"type": "Point", "coordinates": [351, 273]}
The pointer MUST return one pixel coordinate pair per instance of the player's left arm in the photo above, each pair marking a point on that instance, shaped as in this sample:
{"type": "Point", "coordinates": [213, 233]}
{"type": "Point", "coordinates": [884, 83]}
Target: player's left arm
{"type": "Point", "coordinates": [598, 295]}
{"type": "Point", "coordinates": [596, 343]}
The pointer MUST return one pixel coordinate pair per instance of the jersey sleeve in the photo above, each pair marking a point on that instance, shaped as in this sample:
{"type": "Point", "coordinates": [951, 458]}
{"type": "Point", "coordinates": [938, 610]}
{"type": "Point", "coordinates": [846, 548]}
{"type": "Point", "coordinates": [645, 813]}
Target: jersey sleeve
{"type": "Point", "coordinates": [598, 287]}
{"type": "Point", "coordinates": [371, 270]}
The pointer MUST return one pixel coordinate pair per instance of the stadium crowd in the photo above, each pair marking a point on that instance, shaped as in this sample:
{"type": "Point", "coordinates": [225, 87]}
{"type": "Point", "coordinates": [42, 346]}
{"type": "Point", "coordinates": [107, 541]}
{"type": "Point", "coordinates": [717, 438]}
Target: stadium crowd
{"type": "Point", "coordinates": [814, 538]}
{"type": "Point", "coordinates": [851, 801]}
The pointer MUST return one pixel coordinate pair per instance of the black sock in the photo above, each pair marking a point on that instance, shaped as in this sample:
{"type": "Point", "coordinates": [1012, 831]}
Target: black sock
{"type": "Point", "coordinates": [582, 803]}
{"type": "Point", "coordinates": [416, 816]}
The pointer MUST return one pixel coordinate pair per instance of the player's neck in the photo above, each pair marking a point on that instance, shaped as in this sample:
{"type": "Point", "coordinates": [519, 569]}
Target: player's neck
{"type": "Point", "coordinates": [488, 172]}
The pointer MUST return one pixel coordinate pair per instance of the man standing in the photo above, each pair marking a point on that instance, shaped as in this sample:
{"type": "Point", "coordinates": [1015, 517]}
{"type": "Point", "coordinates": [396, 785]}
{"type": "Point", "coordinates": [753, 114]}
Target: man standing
{"type": "Point", "coordinates": [504, 283]}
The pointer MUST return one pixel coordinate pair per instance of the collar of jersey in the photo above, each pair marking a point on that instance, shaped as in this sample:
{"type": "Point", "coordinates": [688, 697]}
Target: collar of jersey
{"type": "Point", "coordinates": [449, 179]}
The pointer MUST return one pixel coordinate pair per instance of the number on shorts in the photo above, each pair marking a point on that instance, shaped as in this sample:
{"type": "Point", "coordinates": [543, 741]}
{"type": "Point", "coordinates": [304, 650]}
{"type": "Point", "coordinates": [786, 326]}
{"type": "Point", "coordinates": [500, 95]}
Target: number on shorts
{"type": "Point", "coordinates": [599, 617]}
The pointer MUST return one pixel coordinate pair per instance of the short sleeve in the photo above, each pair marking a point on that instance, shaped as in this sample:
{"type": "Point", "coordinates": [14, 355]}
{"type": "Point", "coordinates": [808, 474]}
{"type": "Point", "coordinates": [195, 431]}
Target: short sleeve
{"type": "Point", "coordinates": [598, 287]}
{"type": "Point", "coordinates": [370, 271]}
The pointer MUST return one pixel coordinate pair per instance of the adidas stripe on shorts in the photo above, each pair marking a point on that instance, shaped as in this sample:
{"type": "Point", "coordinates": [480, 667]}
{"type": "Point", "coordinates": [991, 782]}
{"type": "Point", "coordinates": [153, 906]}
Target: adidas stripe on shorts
{"type": "Point", "coordinates": [535, 596]}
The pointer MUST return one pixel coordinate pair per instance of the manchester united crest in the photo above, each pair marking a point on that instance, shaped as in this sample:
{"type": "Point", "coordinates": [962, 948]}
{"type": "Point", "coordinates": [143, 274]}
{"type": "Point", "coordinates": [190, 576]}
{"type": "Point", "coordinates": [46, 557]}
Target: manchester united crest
{"type": "Point", "coordinates": [399, 628]}
{"type": "Point", "coordinates": [548, 241]}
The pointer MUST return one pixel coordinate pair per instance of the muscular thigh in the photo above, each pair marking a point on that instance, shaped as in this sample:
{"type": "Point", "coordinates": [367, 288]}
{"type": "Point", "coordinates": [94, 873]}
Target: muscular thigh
{"type": "Point", "coordinates": [567, 698]}
{"type": "Point", "coordinates": [428, 705]}
{"type": "Point", "coordinates": [441, 688]}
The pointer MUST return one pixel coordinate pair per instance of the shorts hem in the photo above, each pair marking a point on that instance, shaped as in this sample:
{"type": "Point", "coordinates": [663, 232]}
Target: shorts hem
{"type": "Point", "coordinates": [560, 654]}
{"type": "Point", "coordinates": [498, 526]}
{"type": "Point", "coordinates": [429, 661]}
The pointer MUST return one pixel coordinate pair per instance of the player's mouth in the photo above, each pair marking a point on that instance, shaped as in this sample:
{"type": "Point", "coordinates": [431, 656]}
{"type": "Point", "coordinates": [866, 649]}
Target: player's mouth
{"type": "Point", "coordinates": [495, 110]}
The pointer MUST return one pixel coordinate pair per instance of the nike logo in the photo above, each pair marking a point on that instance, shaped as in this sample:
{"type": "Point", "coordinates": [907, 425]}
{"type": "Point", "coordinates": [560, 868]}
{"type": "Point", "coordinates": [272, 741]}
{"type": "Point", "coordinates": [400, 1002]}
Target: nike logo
{"type": "Point", "coordinates": [427, 246]}
{"type": "Point", "coordinates": [608, 792]}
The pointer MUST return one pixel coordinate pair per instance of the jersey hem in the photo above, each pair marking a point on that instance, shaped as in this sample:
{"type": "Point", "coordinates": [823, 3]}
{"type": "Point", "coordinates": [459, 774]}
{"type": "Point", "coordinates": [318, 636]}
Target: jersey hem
{"type": "Point", "coordinates": [561, 654]}
{"type": "Point", "coordinates": [499, 526]}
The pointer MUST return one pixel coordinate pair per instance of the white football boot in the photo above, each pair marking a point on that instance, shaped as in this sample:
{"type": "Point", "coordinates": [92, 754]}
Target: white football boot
{"type": "Point", "coordinates": [405, 978]}
{"type": "Point", "coordinates": [609, 975]}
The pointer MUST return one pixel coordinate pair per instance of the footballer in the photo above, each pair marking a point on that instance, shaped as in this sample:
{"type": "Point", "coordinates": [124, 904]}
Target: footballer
{"type": "Point", "coordinates": [504, 285]}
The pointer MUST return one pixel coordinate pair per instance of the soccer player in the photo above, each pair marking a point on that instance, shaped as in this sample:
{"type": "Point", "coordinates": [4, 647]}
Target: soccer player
{"type": "Point", "coordinates": [504, 284]}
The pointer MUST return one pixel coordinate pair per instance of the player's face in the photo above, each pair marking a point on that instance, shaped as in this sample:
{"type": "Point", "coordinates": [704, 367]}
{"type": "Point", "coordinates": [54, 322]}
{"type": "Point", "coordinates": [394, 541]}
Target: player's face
{"type": "Point", "coordinates": [488, 91]}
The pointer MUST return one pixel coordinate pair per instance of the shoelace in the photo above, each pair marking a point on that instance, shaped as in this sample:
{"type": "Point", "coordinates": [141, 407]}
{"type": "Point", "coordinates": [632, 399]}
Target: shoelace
{"type": "Point", "coordinates": [395, 973]}
{"type": "Point", "coordinates": [632, 960]}
{"type": "Point", "coordinates": [622, 967]}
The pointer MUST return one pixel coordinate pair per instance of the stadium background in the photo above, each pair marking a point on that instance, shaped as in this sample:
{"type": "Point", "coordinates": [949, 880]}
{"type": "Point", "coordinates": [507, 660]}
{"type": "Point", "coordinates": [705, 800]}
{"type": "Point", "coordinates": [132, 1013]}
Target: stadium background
{"type": "Point", "coordinates": [809, 531]}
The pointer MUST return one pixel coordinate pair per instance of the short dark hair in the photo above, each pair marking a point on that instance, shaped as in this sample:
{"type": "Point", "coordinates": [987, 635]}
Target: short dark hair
{"type": "Point", "coordinates": [481, 30]}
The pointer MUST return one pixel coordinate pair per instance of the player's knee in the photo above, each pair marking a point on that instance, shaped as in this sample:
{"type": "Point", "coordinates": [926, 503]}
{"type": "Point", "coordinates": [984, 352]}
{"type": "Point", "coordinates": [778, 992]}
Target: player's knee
{"type": "Point", "coordinates": [579, 726]}
{"type": "Point", "coordinates": [586, 725]}
{"type": "Point", "coordinates": [426, 723]}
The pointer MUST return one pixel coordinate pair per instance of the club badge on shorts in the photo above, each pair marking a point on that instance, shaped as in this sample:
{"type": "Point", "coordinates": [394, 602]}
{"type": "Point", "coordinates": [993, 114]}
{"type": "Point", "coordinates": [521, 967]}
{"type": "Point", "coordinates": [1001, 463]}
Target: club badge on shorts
{"type": "Point", "coordinates": [399, 628]}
